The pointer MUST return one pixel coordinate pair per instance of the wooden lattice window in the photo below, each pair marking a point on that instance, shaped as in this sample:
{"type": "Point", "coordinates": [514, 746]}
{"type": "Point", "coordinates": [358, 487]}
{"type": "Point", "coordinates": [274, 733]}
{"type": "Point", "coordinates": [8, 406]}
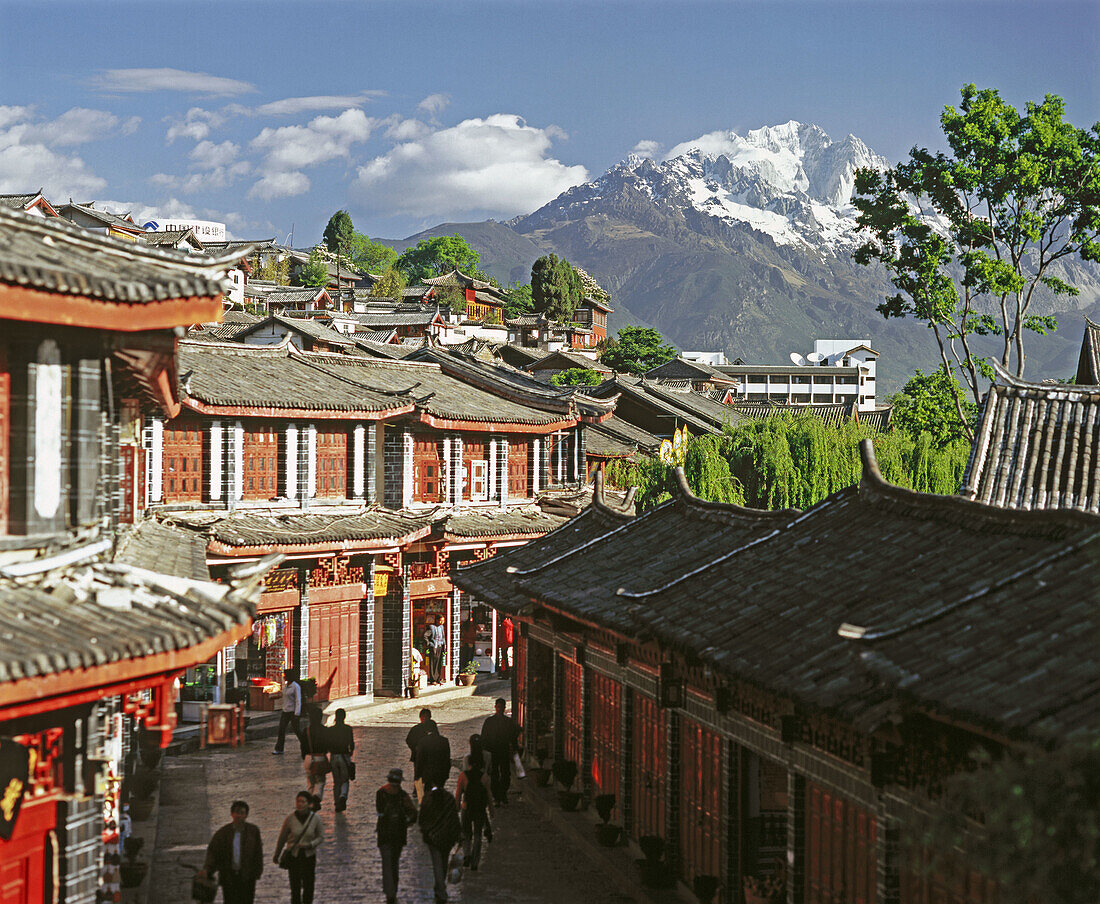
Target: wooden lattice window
{"type": "Point", "coordinates": [517, 469]}
{"type": "Point", "coordinates": [475, 456]}
{"type": "Point", "coordinates": [427, 470]}
{"type": "Point", "coordinates": [183, 470]}
{"type": "Point", "coordinates": [332, 463]}
{"type": "Point", "coordinates": [261, 462]}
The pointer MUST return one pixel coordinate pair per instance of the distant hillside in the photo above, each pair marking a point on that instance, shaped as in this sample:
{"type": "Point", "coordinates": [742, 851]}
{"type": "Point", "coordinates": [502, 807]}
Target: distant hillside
{"type": "Point", "coordinates": [505, 255]}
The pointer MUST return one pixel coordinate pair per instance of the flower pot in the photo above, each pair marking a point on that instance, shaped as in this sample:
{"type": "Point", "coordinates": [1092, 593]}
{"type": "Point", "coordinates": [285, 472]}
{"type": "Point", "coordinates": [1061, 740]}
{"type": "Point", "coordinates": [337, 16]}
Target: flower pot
{"type": "Point", "coordinates": [541, 776]}
{"type": "Point", "coordinates": [569, 800]}
{"type": "Point", "coordinates": [414, 690]}
{"type": "Point", "coordinates": [464, 679]}
{"type": "Point", "coordinates": [608, 835]}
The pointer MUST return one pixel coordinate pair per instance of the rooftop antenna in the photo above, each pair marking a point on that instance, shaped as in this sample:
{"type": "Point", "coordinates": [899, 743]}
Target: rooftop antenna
{"type": "Point", "coordinates": [815, 357]}
{"type": "Point", "coordinates": [798, 359]}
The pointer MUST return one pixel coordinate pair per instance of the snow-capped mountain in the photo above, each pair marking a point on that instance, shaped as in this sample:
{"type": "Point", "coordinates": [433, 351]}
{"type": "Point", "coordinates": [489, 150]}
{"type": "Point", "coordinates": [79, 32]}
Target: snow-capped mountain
{"type": "Point", "coordinates": [791, 182]}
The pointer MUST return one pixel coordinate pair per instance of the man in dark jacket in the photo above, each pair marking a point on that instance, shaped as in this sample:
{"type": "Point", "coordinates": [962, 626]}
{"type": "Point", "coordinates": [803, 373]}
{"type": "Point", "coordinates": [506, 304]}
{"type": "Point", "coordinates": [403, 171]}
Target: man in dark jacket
{"type": "Point", "coordinates": [236, 854]}
{"type": "Point", "coordinates": [433, 759]}
{"type": "Point", "coordinates": [396, 813]}
{"type": "Point", "coordinates": [498, 736]}
{"type": "Point", "coordinates": [415, 736]}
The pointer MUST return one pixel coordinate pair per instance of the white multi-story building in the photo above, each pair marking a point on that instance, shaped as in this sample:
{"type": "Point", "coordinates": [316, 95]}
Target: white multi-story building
{"type": "Point", "coordinates": [838, 370]}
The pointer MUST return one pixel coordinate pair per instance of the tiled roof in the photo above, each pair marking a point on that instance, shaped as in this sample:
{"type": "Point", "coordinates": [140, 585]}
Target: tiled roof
{"type": "Point", "coordinates": [277, 295]}
{"type": "Point", "coordinates": [170, 238]}
{"type": "Point", "coordinates": [525, 522]}
{"type": "Point", "coordinates": [615, 437]}
{"type": "Point", "coordinates": [564, 360]}
{"type": "Point", "coordinates": [1037, 446]}
{"type": "Point", "coordinates": [1088, 365]}
{"type": "Point", "coordinates": [518, 356]}
{"type": "Point", "coordinates": [389, 320]}
{"type": "Point", "coordinates": [879, 419]}
{"type": "Point", "coordinates": [18, 201]}
{"type": "Point", "coordinates": [242, 317]}
{"type": "Point", "coordinates": [306, 326]}
{"type": "Point", "coordinates": [287, 531]}
{"type": "Point", "coordinates": [82, 617]}
{"type": "Point", "coordinates": [682, 369]}
{"type": "Point", "coordinates": [163, 548]}
{"type": "Point", "coordinates": [458, 278]}
{"type": "Point", "coordinates": [982, 615]}
{"type": "Point", "coordinates": [120, 221]}
{"type": "Point", "coordinates": [832, 413]}
{"type": "Point", "coordinates": [379, 336]}
{"type": "Point", "coordinates": [383, 349]}
{"type": "Point", "coordinates": [702, 414]}
{"type": "Point", "coordinates": [53, 255]}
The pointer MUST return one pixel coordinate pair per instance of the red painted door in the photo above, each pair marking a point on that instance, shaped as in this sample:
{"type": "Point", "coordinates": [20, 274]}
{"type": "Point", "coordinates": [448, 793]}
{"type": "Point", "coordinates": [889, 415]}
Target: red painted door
{"type": "Point", "coordinates": [183, 473]}
{"type": "Point", "coordinates": [607, 704]}
{"type": "Point", "coordinates": [334, 648]}
{"type": "Point", "coordinates": [24, 856]}
{"type": "Point", "coordinates": [700, 801]}
{"type": "Point", "coordinates": [840, 850]}
{"type": "Point", "coordinates": [649, 735]}
{"type": "Point", "coordinates": [573, 711]}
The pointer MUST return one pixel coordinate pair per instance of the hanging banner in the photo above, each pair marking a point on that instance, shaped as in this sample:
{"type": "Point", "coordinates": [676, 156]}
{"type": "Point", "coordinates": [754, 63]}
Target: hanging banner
{"type": "Point", "coordinates": [15, 762]}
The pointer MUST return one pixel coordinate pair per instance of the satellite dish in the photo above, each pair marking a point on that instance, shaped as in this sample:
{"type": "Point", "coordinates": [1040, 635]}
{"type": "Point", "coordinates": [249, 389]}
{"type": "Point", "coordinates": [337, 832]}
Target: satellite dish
{"type": "Point", "coordinates": [815, 357]}
{"type": "Point", "coordinates": [798, 359]}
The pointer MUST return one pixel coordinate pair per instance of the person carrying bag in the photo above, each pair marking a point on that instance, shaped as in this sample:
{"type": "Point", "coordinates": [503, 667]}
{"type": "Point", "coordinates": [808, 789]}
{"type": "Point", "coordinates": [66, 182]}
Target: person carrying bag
{"type": "Point", "coordinates": [296, 848]}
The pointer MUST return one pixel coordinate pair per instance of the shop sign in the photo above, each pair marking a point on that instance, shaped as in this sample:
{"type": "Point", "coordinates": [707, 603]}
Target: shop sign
{"type": "Point", "coordinates": [381, 583]}
{"type": "Point", "coordinates": [15, 762]}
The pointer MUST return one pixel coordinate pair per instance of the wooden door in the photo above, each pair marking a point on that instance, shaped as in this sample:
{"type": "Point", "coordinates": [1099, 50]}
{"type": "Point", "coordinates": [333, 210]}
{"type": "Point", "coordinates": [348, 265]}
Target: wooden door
{"type": "Point", "coordinates": [260, 455]}
{"type": "Point", "coordinates": [332, 463]}
{"type": "Point", "coordinates": [334, 648]}
{"type": "Point", "coordinates": [649, 736]}
{"type": "Point", "coordinates": [25, 857]}
{"type": "Point", "coordinates": [427, 470]}
{"type": "Point", "coordinates": [840, 849]}
{"type": "Point", "coordinates": [607, 708]}
{"type": "Point", "coordinates": [183, 471]}
{"type": "Point", "coordinates": [573, 711]}
{"type": "Point", "coordinates": [700, 802]}
{"type": "Point", "coordinates": [517, 469]}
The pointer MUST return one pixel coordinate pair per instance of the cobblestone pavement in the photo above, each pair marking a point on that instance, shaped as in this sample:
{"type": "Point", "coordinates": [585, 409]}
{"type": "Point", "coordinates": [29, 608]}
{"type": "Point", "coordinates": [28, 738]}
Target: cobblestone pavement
{"type": "Point", "coordinates": [529, 861]}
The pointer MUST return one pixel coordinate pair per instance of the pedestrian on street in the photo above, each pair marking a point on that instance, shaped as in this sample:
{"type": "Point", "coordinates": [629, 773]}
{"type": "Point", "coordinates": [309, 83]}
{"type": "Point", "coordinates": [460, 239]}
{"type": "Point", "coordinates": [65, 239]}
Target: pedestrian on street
{"type": "Point", "coordinates": [433, 760]}
{"type": "Point", "coordinates": [478, 754]}
{"type": "Point", "coordinates": [301, 835]}
{"type": "Point", "coordinates": [292, 708]}
{"type": "Point", "coordinates": [341, 746]}
{"type": "Point", "coordinates": [236, 854]}
{"type": "Point", "coordinates": [499, 735]}
{"type": "Point", "coordinates": [441, 829]}
{"type": "Point", "coordinates": [472, 791]}
{"type": "Point", "coordinates": [315, 760]}
{"type": "Point", "coordinates": [437, 645]}
{"type": "Point", "coordinates": [506, 646]}
{"type": "Point", "coordinates": [468, 637]}
{"type": "Point", "coordinates": [415, 736]}
{"type": "Point", "coordinates": [396, 812]}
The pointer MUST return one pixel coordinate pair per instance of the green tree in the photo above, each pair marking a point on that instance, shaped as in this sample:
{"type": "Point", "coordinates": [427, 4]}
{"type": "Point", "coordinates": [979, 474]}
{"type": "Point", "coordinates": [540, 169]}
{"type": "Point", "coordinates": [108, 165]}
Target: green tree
{"type": "Point", "coordinates": [272, 267]}
{"type": "Point", "coordinates": [637, 349]}
{"type": "Point", "coordinates": [434, 257]}
{"type": "Point", "coordinates": [371, 257]}
{"type": "Point", "coordinates": [339, 234]}
{"type": "Point", "coordinates": [969, 237]}
{"type": "Point", "coordinates": [556, 288]}
{"type": "Point", "coordinates": [1038, 833]}
{"type": "Point", "coordinates": [577, 376]}
{"type": "Point", "coordinates": [391, 284]}
{"type": "Point", "coordinates": [926, 404]}
{"type": "Point", "coordinates": [519, 300]}
{"type": "Point", "coordinates": [315, 272]}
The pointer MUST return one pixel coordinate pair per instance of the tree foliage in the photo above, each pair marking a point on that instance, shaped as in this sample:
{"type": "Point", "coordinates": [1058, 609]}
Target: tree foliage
{"type": "Point", "coordinates": [637, 349]}
{"type": "Point", "coordinates": [272, 267]}
{"type": "Point", "coordinates": [391, 284]}
{"type": "Point", "coordinates": [1038, 824]}
{"type": "Point", "coordinates": [795, 461]}
{"type": "Point", "coordinates": [969, 236]}
{"type": "Point", "coordinates": [519, 300]}
{"type": "Point", "coordinates": [434, 257]}
{"type": "Point", "coordinates": [556, 288]}
{"type": "Point", "coordinates": [339, 233]}
{"type": "Point", "coordinates": [371, 257]}
{"type": "Point", "coordinates": [926, 404]}
{"type": "Point", "coordinates": [315, 272]}
{"type": "Point", "coordinates": [577, 376]}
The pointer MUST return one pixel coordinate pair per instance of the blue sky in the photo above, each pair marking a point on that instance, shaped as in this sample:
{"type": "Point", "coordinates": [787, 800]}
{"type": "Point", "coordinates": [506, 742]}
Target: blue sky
{"type": "Point", "coordinates": [267, 115]}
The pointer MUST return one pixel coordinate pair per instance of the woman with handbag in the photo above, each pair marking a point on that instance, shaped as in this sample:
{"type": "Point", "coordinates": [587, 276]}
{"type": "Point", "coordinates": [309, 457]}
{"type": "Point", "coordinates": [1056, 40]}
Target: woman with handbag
{"type": "Point", "coordinates": [296, 848]}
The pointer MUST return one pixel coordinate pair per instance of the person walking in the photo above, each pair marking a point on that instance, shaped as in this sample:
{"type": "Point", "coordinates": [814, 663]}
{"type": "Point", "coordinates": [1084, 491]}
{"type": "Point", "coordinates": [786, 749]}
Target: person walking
{"type": "Point", "coordinates": [433, 760]}
{"type": "Point", "coordinates": [498, 736]}
{"type": "Point", "coordinates": [441, 830]}
{"type": "Point", "coordinates": [396, 812]}
{"type": "Point", "coordinates": [292, 708]}
{"type": "Point", "coordinates": [437, 645]}
{"type": "Point", "coordinates": [341, 746]}
{"type": "Point", "coordinates": [472, 791]}
{"type": "Point", "coordinates": [236, 855]}
{"type": "Point", "coordinates": [416, 734]}
{"type": "Point", "coordinates": [478, 754]}
{"type": "Point", "coordinates": [506, 647]}
{"type": "Point", "coordinates": [301, 835]}
{"type": "Point", "coordinates": [315, 762]}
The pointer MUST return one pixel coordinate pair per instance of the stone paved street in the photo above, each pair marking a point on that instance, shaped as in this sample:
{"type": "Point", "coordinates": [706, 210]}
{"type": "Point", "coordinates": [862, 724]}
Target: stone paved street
{"type": "Point", "coordinates": [529, 860]}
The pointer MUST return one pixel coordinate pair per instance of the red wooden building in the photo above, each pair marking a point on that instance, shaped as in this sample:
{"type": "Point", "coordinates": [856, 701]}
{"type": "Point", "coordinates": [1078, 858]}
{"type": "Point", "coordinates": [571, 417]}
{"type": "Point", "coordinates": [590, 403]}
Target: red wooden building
{"type": "Point", "coordinates": [96, 625]}
{"type": "Point", "coordinates": [774, 695]}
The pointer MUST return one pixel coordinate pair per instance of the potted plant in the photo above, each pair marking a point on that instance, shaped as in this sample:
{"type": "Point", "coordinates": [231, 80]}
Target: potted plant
{"type": "Point", "coordinates": [132, 871]}
{"type": "Point", "coordinates": [565, 772]}
{"type": "Point", "coordinates": [469, 672]}
{"type": "Point", "coordinates": [656, 872]}
{"type": "Point", "coordinates": [608, 835]}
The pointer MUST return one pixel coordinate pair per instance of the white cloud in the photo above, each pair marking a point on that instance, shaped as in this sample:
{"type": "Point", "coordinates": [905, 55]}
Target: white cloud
{"type": "Point", "coordinates": [81, 125]}
{"type": "Point", "coordinates": [407, 130]}
{"type": "Point", "coordinates": [289, 149]}
{"type": "Point", "coordinates": [196, 124]}
{"type": "Point", "coordinates": [434, 104]}
{"type": "Point", "coordinates": [646, 148]}
{"type": "Point", "coordinates": [9, 115]}
{"type": "Point", "coordinates": [144, 80]}
{"type": "Point", "coordinates": [218, 177]}
{"type": "Point", "coordinates": [498, 165]}
{"type": "Point", "coordinates": [280, 185]}
{"type": "Point", "coordinates": [291, 106]}
{"type": "Point", "coordinates": [27, 160]}
{"type": "Point", "coordinates": [208, 155]}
